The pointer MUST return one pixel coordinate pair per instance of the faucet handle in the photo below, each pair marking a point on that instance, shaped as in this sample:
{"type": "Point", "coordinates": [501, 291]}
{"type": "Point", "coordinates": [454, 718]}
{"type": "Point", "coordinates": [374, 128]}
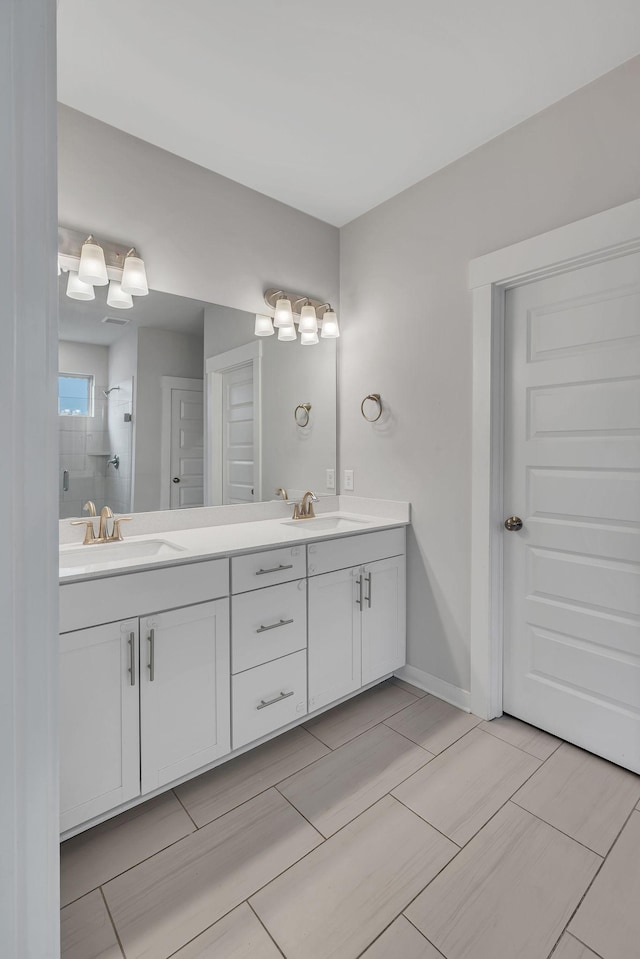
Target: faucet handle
{"type": "Point", "coordinates": [117, 532]}
{"type": "Point", "coordinates": [90, 533]}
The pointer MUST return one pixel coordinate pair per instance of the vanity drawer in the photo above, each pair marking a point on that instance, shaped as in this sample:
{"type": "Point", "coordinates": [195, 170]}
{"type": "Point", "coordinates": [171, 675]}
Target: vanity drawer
{"type": "Point", "coordinates": [268, 624]}
{"type": "Point", "coordinates": [268, 697]}
{"type": "Point", "coordinates": [112, 598]}
{"type": "Point", "coordinates": [355, 550]}
{"type": "Point", "coordinates": [267, 568]}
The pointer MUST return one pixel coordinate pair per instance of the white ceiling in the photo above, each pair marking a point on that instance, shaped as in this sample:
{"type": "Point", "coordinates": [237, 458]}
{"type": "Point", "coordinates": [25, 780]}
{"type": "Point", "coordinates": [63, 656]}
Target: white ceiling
{"type": "Point", "coordinates": [332, 106]}
{"type": "Point", "coordinates": [81, 321]}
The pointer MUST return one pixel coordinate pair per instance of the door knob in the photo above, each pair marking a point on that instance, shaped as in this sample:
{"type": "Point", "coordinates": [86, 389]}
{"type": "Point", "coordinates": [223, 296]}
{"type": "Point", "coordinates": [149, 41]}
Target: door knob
{"type": "Point", "coordinates": [176, 479]}
{"type": "Point", "coordinates": [513, 524]}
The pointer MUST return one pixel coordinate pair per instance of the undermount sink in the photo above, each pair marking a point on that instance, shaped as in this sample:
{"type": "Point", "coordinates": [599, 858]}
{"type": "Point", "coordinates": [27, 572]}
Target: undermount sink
{"type": "Point", "coordinates": [327, 523]}
{"type": "Point", "coordinates": [115, 552]}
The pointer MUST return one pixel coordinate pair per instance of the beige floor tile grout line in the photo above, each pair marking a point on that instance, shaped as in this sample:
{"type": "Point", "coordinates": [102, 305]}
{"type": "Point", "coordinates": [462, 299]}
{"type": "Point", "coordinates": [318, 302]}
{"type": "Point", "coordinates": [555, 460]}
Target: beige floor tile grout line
{"type": "Point", "coordinates": [106, 906]}
{"type": "Point", "coordinates": [265, 929]}
{"type": "Point", "coordinates": [195, 825]}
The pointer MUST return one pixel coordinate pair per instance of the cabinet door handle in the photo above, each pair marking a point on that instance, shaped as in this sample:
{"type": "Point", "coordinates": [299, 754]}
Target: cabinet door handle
{"type": "Point", "coordinates": [276, 699]}
{"type": "Point", "coordinates": [151, 665]}
{"type": "Point", "coordinates": [132, 657]}
{"type": "Point", "coordinates": [360, 587]}
{"type": "Point", "coordinates": [274, 569]}
{"type": "Point", "coordinates": [368, 596]}
{"type": "Point", "coordinates": [282, 622]}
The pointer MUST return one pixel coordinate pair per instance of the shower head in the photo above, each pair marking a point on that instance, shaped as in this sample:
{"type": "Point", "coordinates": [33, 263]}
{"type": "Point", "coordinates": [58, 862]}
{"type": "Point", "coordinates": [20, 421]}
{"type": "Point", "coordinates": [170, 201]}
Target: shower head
{"type": "Point", "coordinates": [106, 392]}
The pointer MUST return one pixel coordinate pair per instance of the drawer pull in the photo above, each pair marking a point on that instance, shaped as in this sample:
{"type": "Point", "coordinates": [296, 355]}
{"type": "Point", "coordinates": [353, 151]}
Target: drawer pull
{"type": "Point", "coordinates": [132, 657]}
{"type": "Point", "coordinates": [368, 596]}
{"type": "Point", "coordinates": [151, 665]}
{"type": "Point", "coordinates": [276, 699]}
{"type": "Point", "coordinates": [360, 587]}
{"type": "Point", "coordinates": [274, 569]}
{"type": "Point", "coordinates": [282, 622]}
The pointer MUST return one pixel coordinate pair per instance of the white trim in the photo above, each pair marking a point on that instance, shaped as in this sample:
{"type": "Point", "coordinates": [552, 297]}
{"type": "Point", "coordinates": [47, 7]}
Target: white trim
{"type": "Point", "coordinates": [169, 383]}
{"type": "Point", "coordinates": [215, 366]}
{"type": "Point", "coordinates": [600, 237]}
{"type": "Point", "coordinates": [29, 876]}
{"type": "Point", "coordinates": [437, 687]}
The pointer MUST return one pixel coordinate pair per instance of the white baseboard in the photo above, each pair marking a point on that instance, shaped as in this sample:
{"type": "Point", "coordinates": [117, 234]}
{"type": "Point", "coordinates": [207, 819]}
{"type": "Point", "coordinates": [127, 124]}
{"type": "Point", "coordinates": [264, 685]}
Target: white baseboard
{"type": "Point", "coordinates": [437, 687]}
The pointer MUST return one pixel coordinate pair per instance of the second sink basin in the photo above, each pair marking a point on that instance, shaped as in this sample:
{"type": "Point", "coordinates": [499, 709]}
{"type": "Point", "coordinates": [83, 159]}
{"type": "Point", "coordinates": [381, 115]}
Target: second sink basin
{"type": "Point", "coordinates": [115, 552]}
{"type": "Point", "coordinates": [327, 523]}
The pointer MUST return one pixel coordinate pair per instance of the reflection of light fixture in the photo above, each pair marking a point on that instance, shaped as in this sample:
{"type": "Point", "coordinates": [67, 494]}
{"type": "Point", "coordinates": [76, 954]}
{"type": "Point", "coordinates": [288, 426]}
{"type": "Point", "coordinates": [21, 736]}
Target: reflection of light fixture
{"type": "Point", "coordinates": [117, 298]}
{"type": "Point", "coordinates": [134, 275]}
{"type": "Point", "coordinates": [285, 317]}
{"type": "Point", "coordinates": [92, 267]}
{"type": "Point", "coordinates": [78, 290]}
{"type": "Point", "coordinates": [264, 326]}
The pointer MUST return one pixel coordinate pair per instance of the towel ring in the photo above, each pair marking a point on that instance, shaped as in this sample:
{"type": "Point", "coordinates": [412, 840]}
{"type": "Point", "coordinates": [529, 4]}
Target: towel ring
{"type": "Point", "coordinates": [375, 398]}
{"type": "Point", "coordinates": [302, 420]}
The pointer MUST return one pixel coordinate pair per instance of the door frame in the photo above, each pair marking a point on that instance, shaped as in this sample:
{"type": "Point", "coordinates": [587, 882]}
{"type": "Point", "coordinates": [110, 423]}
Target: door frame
{"type": "Point", "coordinates": [215, 367]}
{"type": "Point", "coordinates": [170, 383]}
{"type": "Point", "coordinates": [603, 236]}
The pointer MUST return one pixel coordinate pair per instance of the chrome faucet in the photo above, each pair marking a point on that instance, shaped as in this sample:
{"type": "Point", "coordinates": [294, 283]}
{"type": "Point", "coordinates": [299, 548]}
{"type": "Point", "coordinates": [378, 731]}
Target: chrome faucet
{"type": "Point", "coordinates": [304, 509]}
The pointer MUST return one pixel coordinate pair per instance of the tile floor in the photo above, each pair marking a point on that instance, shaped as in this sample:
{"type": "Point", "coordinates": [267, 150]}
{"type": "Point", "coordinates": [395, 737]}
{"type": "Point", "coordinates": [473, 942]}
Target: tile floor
{"type": "Point", "coordinates": [392, 827]}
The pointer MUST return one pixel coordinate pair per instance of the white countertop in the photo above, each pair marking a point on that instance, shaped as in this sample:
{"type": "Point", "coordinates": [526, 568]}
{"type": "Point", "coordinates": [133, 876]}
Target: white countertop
{"type": "Point", "coordinates": [209, 542]}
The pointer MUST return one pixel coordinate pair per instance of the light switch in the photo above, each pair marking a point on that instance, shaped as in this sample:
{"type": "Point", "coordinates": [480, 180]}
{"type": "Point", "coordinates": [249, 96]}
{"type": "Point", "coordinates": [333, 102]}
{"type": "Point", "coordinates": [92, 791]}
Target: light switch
{"type": "Point", "coordinates": [348, 480]}
{"type": "Point", "coordinates": [331, 479]}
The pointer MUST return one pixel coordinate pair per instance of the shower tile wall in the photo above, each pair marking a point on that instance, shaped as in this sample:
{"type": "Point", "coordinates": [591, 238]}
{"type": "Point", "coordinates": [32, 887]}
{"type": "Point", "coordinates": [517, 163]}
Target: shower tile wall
{"type": "Point", "coordinates": [118, 482]}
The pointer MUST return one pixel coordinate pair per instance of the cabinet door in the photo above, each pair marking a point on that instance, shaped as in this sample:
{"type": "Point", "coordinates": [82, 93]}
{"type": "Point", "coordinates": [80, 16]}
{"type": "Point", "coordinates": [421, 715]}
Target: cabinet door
{"type": "Point", "coordinates": [184, 695]}
{"type": "Point", "coordinates": [99, 720]}
{"type": "Point", "coordinates": [334, 636]}
{"type": "Point", "coordinates": [383, 618]}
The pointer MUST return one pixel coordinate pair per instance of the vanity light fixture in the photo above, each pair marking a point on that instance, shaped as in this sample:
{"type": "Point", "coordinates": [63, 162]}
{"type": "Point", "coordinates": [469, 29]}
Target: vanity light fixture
{"type": "Point", "coordinates": [95, 264]}
{"type": "Point", "coordinates": [134, 275]}
{"type": "Point", "coordinates": [93, 268]}
{"type": "Point", "coordinates": [313, 315]}
{"type": "Point", "coordinates": [78, 290]}
{"type": "Point", "coordinates": [117, 298]}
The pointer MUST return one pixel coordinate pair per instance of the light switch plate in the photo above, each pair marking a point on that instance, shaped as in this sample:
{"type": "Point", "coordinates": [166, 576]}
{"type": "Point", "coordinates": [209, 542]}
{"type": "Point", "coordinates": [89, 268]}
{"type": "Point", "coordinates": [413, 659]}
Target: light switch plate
{"type": "Point", "coordinates": [331, 479]}
{"type": "Point", "coordinates": [348, 480]}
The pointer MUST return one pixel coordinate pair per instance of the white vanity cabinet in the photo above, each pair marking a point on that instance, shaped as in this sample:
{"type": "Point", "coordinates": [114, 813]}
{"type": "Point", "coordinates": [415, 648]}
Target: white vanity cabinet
{"type": "Point", "coordinates": [99, 717]}
{"type": "Point", "coordinates": [357, 629]}
{"type": "Point", "coordinates": [184, 691]}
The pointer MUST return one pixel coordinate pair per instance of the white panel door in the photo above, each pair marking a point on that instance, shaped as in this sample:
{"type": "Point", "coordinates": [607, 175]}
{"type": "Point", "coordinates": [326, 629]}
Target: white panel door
{"type": "Point", "coordinates": [334, 639]}
{"type": "Point", "coordinates": [187, 449]}
{"type": "Point", "coordinates": [383, 618]}
{"type": "Point", "coordinates": [238, 459]}
{"type": "Point", "coordinates": [572, 442]}
{"type": "Point", "coordinates": [99, 709]}
{"type": "Point", "coordinates": [184, 696]}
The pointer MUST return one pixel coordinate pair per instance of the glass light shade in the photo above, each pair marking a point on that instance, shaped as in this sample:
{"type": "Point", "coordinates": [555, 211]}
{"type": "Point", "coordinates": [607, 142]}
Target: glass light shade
{"type": "Point", "coordinates": [78, 290]}
{"type": "Point", "coordinates": [287, 333]}
{"type": "Point", "coordinates": [92, 267]}
{"type": "Point", "coordinates": [284, 314]}
{"type": "Point", "coordinates": [330, 328]}
{"type": "Point", "coordinates": [308, 320]}
{"type": "Point", "coordinates": [134, 276]}
{"type": "Point", "coordinates": [308, 339]}
{"type": "Point", "coordinates": [264, 326]}
{"type": "Point", "coordinates": [117, 298]}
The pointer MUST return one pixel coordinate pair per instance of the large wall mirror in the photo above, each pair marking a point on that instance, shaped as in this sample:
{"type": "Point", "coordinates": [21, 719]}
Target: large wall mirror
{"type": "Point", "coordinates": [175, 403]}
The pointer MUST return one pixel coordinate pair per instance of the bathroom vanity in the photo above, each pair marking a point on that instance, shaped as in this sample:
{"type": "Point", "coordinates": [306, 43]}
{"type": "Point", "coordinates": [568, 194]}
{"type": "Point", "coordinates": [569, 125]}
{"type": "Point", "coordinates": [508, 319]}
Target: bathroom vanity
{"type": "Point", "coordinates": [183, 649]}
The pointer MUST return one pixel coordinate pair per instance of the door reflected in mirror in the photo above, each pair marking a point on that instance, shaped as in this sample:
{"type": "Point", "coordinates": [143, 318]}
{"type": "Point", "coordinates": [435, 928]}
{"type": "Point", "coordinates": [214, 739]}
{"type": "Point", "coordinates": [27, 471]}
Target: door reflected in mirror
{"type": "Point", "coordinates": [175, 403]}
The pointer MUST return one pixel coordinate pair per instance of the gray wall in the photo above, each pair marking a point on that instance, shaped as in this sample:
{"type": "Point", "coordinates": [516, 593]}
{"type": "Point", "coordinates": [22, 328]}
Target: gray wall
{"type": "Point", "coordinates": [160, 353]}
{"type": "Point", "coordinates": [201, 235]}
{"type": "Point", "coordinates": [406, 321]}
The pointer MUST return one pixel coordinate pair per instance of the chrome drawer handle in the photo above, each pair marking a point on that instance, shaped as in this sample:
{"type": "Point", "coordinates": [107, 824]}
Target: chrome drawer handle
{"type": "Point", "coordinates": [151, 665]}
{"type": "Point", "coordinates": [282, 622]}
{"type": "Point", "coordinates": [368, 596]}
{"type": "Point", "coordinates": [132, 657]}
{"type": "Point", "coordinates": [277, 699]}
{"type": "Point", "coordinates": [274, 569]}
